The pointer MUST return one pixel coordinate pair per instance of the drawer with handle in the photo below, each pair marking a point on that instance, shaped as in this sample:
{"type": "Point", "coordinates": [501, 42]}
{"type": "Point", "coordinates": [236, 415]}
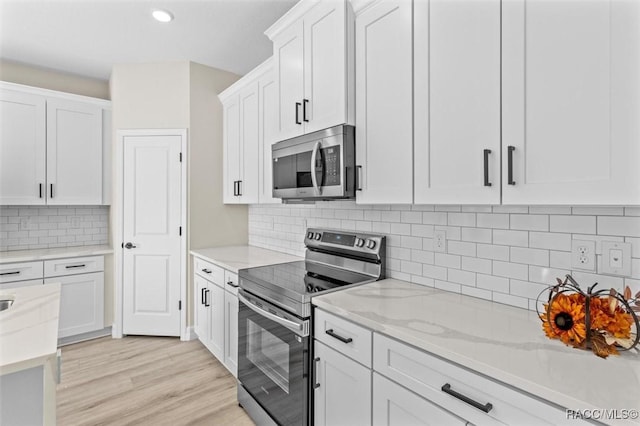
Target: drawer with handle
{"type": "Point", "coordinates": [73, 266]}
{"type": "Point", "coordinates": [23, 271]}
{"type": "Point", "coordinates": [231, 282]}
{"type": "Point", "coordinates": [477, 399]}
{"type": "Point", "coordinates": [208, 271]}
{"type": "Point", "coordinates": [344, 336]}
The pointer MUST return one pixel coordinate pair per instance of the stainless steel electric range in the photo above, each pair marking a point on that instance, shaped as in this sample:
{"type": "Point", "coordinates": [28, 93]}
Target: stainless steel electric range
{"type": "Point", "coordinates": [274, 320]}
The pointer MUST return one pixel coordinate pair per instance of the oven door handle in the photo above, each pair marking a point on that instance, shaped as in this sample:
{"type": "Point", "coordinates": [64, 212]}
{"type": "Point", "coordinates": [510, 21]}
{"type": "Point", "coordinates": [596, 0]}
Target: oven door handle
{"type": "Point", "coordinates": [291, 325]}
{"type": "Point", "coordinates": [314, 179]}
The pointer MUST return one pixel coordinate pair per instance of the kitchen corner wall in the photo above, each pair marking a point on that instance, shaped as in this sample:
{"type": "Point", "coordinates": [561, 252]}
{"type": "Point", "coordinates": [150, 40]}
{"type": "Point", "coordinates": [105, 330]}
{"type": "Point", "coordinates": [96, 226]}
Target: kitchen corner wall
{"type": "Point", "coordinates": [40, 227]}
{"type": "Point", "coordinates": [507, 254]}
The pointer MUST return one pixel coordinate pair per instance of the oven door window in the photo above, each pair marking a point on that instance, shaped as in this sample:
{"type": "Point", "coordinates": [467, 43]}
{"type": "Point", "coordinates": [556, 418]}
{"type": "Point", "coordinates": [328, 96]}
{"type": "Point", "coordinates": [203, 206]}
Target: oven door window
{"type": "Point", "coordinates": [272, 366]}
{"type": "Point", "coordinates": [269, 354]}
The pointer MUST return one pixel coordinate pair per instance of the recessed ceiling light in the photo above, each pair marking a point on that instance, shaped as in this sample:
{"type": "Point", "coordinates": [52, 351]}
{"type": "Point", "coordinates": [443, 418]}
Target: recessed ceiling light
{"type": "Point", "coordinates": [162, 15]}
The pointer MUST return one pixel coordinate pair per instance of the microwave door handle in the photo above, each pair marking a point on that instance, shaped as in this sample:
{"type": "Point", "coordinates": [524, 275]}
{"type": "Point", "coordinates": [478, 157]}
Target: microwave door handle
{"type": "Point", "coordinates": [314, 155]}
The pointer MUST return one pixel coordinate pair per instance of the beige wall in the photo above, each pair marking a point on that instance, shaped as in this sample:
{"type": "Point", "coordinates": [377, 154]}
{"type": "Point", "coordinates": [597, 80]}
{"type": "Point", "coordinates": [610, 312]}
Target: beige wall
{"type": "Point", "coordinates": [16, 72]}
{"type": "Point", "coordinates": [184, 95]}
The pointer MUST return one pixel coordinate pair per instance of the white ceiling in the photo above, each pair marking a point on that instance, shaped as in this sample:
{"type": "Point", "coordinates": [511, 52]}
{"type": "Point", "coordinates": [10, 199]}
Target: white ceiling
{"type": "Point", "coordinates": [86, 37]}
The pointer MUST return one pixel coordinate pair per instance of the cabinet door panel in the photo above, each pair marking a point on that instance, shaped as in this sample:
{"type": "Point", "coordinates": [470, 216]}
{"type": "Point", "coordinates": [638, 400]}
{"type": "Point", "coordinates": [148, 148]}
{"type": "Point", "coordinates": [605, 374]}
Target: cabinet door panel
{"type": "Point", "coordinates": [216, 324]}
{"type": "Point", "coordinates": [344, 394]}
{"type": "Point", "coordinates": [231, 332]}
{"type": "Point", "coordinates": [394, 405]}
{"type": "Point", "coordinates": [74, 153]}
{"type": "Point", "coordinates": [289, 66]}
{"type": "Point", "coordinates": [22, 148]}
{"type": "Point", "coordinates": [81, 303]}
{"type": "Point", "coordinates": [384, 103]}
{"type": "Point", "coordinates": [201, 321]}
{"type": "Point", "coordinates": [571, 83]}
{"type": "Point", "coordinates": [457, 101]}
{"type": "Point", "coordinates": [268, 131]}
{"type": "Point", "coordinates": [325, 66]}
{"type": "Point", "coordinates": [231, 165]}
{"type": "Point", "coordinates": [249, 132]}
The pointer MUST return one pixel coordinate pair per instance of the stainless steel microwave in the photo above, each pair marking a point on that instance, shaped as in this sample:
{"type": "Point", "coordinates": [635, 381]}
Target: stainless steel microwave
{"type": "Point", "coordinates": [315, 166]}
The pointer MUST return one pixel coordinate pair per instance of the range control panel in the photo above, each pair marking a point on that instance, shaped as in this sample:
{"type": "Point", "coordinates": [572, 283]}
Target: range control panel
{"type": "Point", "coordinates": [355, 242]}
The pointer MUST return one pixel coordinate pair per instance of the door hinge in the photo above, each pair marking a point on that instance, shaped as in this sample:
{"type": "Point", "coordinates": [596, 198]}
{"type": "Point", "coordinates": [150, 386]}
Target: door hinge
{"type": "Point", "coordinates": [180, 231]}
{"type": "Point", "coordinates": [181, 157]}
{"type": "Point", "coordinates": [179, 305]}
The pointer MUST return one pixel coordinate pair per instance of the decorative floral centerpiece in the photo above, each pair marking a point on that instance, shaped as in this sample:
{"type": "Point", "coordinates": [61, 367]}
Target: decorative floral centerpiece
{"type": "Point", "coordinates": [604, 321]}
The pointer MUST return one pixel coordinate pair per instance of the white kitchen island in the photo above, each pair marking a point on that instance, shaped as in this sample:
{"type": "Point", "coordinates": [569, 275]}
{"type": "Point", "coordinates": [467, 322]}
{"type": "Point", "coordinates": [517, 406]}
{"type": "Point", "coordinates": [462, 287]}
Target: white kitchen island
{"type": "Point", "coordinates": [28, 355]}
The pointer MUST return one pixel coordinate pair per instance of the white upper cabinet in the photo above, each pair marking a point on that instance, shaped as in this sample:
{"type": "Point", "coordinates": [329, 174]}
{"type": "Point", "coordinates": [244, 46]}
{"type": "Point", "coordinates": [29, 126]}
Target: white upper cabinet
{"type": "Point", "coordinates": [570, 102]}
{"type": "Point", "coordinates": [313, 63]}
{"type": "Point", "coordinates": [268, 98]}
{"type": "Point", "coordinates": [22, 148]}
{"type": "Point", "coordinates": [52, 148]}
{"type": "Point", "coordinates": [457, 101]}
{"type": "Point", "coordinates": [384, 92]}
{"type": "Point", "coordinates": [248, 132]}
{"type": "Point", "coordinates": [74, 153]}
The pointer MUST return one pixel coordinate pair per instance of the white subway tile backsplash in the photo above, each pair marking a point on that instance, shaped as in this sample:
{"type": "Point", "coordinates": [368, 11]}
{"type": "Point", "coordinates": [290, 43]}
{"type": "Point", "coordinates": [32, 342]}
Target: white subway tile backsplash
{"type": "Point", "coordinates": [511, 238]}
{"type": "Point", "coordinates": [502, 253]}
{"type": "Point", "coordinates": [530, 222]}
{"type": "Point", "coordinates": [550, 240]}
{"type": "Point", "coordinates": [36, 227]}
{"type": "Point", "coordinates": [625, 226]}
{"type": "Point", "coordinates": [530, 256]}
{"type": "Point", "coordinates": [573, 224]}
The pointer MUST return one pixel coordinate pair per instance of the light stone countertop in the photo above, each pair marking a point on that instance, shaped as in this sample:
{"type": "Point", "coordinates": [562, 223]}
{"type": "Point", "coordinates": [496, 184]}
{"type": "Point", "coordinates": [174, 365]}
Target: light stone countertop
{"type": "Point", "coordinates": [29, 328]}
{"type": "Point", "coordinates": [234, 258]}
{"type": "Point", "coordinates": [53, 253]}
{"type": "Point", "coordinates": [499, 341]}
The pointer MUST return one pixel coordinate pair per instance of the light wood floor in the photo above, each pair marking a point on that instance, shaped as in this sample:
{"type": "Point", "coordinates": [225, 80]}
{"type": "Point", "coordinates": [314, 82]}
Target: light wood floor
{"type": "Point", "coordinates": [145, 381]}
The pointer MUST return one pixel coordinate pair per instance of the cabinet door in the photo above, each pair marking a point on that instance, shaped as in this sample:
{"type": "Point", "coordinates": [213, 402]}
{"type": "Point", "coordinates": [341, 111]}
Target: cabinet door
{"type": "Point", "coordinates": [325, 65]}
{"type": "Point", "coordinates": [216, 323]}
{"type": "Point", "coordinates": [231, 332]}
{"type": "Point", "coordinates": [231, 147]}
{"type": "Point", "coordinates": [384, 98]}
{"type": "Point", "coordinates": [249, 132]}
{"type": "Point", "coordinates": [343, 396]}
{"type": "Point", "coordinates": [571, 83]}
{"type": "Point", "coordinates": [268, 99]}
{"type": "Point", "coordinates": [22, 148]}
{"type": "Point", "coordinates": [81, 303]}
{"type": "Point", "coordinates": [74, 153]}
{"type": "Point", "coordinates": [457, 101]}
{"type": "Point", "coordinates": [394, 405]}
{"type": "Point", "coordinates": [201, 318]}
{"type": "Point", "coordinates": [289, 58]}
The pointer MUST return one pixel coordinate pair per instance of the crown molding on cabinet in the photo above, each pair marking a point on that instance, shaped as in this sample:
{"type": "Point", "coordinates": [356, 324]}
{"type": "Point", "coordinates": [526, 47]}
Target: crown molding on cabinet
{"type": "Point", "coordinates": [102, 103]}
{"type": "Point", "coordinates": [254, 74]}
{"type": "Point", "coordinates": [295, 13]}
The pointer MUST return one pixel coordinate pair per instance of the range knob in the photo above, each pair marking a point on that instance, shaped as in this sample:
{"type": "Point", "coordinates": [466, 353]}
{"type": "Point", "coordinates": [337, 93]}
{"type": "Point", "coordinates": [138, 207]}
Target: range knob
{"type": "Point", "coordinates": [310, 235]}
{"type": "Point", "coordinates": [317, 236]}
{"type": "Point", "coordinates": [371, 244]}
{"type": "Point", "coordinates": [359, 242]}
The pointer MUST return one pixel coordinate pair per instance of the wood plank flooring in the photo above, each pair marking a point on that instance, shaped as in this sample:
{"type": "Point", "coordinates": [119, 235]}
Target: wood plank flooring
{"type": "Point", "coordinates": [145, 381]}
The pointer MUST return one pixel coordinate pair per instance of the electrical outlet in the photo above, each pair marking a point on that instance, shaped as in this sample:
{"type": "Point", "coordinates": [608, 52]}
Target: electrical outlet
{"type": "Point", "coordinates": [25, 223]}
{"type": "Point", "coordinates": [583, 255]}
{"type": "Point", "coordinates": [75, 222]}
{"type": "Point", "coordinates": [440, 241]}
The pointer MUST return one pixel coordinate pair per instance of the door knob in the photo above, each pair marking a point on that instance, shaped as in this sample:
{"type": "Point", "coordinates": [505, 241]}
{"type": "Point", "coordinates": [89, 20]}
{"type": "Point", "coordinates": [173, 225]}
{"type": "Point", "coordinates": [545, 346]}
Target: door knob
{"type": "Point", "coordinates": [129, 246]}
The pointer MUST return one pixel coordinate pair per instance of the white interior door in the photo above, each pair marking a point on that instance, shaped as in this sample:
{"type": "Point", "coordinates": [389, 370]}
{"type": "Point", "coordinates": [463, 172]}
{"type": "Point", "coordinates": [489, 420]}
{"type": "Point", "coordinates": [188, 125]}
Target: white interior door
{"type": "Point", "coordinates": [151, 225]}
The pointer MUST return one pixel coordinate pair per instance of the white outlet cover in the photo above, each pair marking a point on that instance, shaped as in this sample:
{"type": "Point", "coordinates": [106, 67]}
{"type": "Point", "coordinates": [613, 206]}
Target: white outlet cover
{"type": "Point", "coordinates": [583, 255]}
{"type": "Point", "coordinates": [621, 266]}
{"type": "Point", "coordinates": [440, 235]}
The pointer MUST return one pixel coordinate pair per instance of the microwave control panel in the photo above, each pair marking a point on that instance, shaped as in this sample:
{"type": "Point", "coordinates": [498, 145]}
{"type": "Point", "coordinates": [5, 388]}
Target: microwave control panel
{"type": "Point", "coordinates": [331, 157]}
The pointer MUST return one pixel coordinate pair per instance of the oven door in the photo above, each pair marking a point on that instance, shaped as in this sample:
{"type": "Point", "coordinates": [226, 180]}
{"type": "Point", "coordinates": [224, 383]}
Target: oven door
{"type": "Point", "coordinates": [273, 359]}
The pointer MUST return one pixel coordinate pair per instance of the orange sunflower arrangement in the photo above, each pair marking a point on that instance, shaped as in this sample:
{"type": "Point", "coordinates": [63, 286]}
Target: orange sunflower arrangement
{"type": "Point", "coordinates": [603, 321]}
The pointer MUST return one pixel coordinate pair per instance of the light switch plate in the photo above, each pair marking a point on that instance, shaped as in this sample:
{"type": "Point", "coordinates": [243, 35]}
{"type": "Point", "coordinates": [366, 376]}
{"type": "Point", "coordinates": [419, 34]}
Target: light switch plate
{"type": "Point", "coordinates": [583, 255]}
{"type": "Point", "coordinates": [616, 258]}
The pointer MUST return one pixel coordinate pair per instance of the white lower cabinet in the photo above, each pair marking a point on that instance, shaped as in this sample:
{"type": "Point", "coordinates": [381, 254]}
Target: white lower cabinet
{"type": "Point", "coordinates": [216, 312]}
{"type": "Point", "coordinates": [342, 394]}
{"type": "Point", "coordinates": [81, 294]}
{"type": "Point", "coordinates": [394, 405]}
{"type": "Point", "coordinates": [81, 303]}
